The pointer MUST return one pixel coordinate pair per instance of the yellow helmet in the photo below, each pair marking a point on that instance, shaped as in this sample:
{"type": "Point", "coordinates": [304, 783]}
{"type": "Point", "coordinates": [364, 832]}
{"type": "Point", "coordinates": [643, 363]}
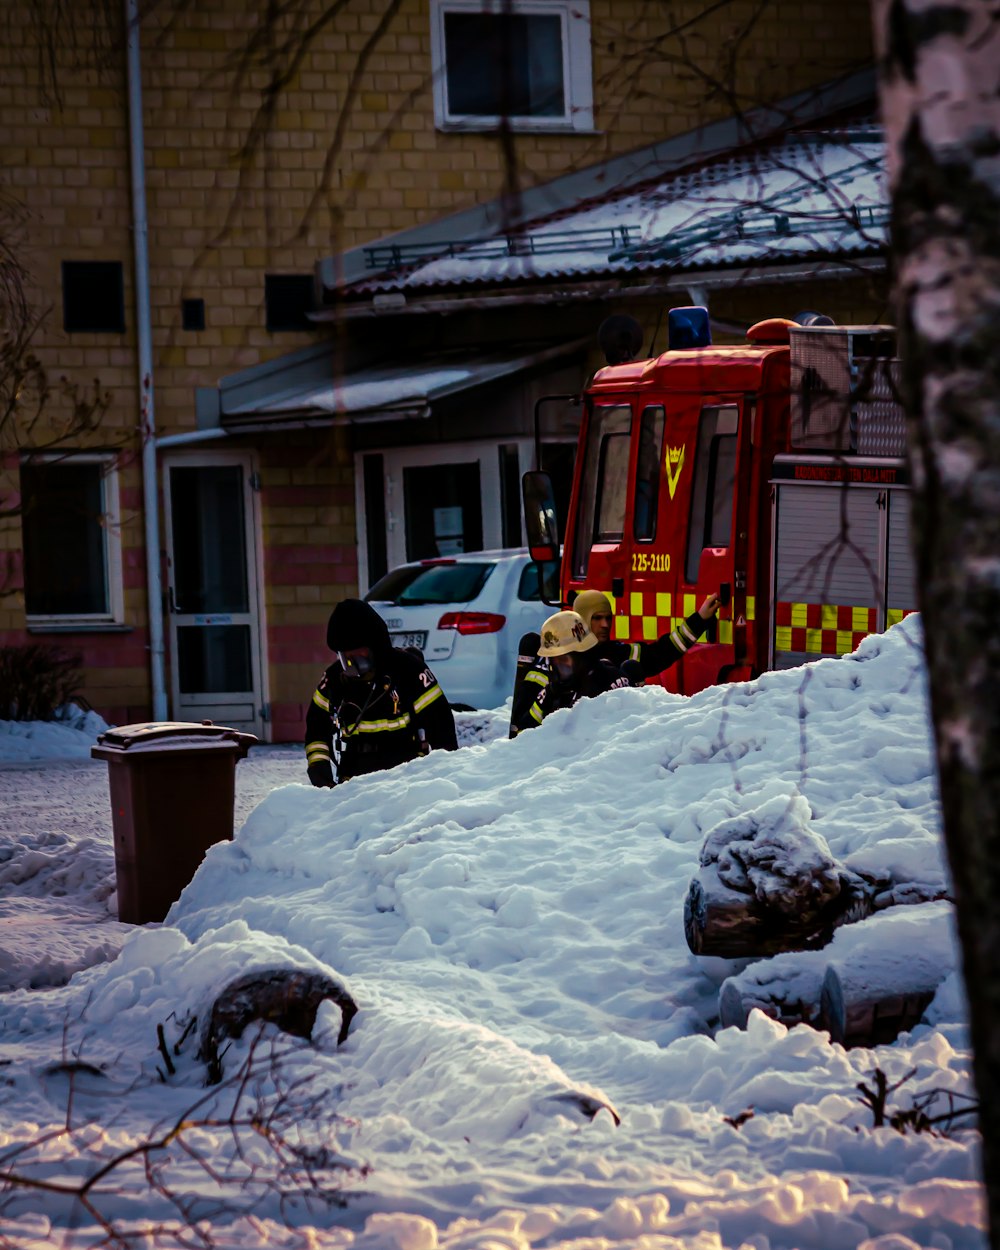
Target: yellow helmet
{"type": "Point", "coordinates": [564, 632]}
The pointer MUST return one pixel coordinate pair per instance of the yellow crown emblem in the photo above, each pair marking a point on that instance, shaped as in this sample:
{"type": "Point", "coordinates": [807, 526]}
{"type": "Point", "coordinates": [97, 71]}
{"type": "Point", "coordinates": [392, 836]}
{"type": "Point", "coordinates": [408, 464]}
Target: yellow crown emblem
{"type": "Point", "coordinates": [673, 464]}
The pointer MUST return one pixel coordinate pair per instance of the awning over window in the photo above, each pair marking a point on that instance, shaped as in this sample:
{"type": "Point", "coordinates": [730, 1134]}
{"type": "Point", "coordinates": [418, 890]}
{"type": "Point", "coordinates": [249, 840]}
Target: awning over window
{"type": "Point", "coordinates": [384, 392]}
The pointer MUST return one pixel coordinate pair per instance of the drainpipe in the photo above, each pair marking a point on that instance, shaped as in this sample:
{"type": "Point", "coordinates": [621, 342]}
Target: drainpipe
{"type": "Point", "coordinates": [144, 336]}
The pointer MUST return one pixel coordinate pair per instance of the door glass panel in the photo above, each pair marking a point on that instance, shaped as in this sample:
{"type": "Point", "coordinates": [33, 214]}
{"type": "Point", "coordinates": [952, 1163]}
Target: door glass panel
{"type": "Point", "coordinates": [209, 545]}
{"type": "Point", "coordinates": [510, 495]}
{"type": "Point", "coordinates": [444, 510]}
{"type": "Point", "coordinates": [713, 485]}
{"type": "Point", "coordinates": [374, 486]}
{"type": "Point", "coordinates": [647, 474]}
{"type": "Point", "coordinates": [602, 487]}
{"type": "Point", "coordinates": [214, 659]}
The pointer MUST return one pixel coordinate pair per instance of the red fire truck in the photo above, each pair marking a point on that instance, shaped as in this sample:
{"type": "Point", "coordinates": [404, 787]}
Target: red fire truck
{"type": "Point", "coordinates": [772, 472]}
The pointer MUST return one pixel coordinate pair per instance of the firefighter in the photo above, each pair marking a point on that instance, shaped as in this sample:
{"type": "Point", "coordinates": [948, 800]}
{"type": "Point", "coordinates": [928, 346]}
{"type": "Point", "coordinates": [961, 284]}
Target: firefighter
{"type": "Point", "coordinates": [375, 706]}
{"type": "Point", "coordinates": [531, 668]}
{"type": "Point", "coordinates": [574, 671]}
{"type": "Point", "coordinates": [653, 657]}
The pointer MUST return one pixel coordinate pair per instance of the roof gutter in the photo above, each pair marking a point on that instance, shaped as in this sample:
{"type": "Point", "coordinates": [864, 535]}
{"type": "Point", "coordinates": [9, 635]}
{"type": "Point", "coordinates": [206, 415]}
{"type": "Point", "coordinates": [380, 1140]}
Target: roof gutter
{"type": "Point", "coordinates": [609, 288]}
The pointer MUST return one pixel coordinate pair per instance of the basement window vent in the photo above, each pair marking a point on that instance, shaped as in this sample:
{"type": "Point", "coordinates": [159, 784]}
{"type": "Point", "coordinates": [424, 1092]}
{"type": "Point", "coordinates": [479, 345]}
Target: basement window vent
{"type": "Point", "coordinates": [193, 314]}
{"type": "Point", "coordinates": [93, 296]}
{"type": "Point", "coordinates": [288, 299]}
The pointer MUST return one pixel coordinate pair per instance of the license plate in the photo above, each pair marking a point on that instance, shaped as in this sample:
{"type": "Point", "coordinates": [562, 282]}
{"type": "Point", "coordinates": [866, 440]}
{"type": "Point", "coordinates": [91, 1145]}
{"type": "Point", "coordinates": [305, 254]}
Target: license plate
{"type": "Point", "coordinates": [416, 638]}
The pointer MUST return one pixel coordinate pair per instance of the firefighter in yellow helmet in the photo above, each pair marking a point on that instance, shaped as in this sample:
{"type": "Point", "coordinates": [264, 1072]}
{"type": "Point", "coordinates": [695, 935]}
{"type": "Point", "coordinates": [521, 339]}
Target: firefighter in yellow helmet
{"type": "Point", "coordinates": [653, 657]}
{"type": "Point", "coordinates": [635, 660]}
{"type": "Point", "coordinates": [575, 672]}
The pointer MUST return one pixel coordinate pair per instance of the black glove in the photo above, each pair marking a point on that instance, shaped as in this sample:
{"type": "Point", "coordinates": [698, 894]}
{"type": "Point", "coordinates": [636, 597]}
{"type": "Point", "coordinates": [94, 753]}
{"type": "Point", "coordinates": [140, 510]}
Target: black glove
{"type": "Point", "coordinates": [321, 774]}
{"type": "Point", "coordinates": [631, 670]}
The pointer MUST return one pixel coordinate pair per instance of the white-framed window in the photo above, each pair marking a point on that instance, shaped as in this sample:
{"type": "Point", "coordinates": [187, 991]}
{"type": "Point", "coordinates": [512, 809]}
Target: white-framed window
{"type": "Point", "coordinates": [524, 60]}
{"type": "Point", "coordinates": [71, 532]}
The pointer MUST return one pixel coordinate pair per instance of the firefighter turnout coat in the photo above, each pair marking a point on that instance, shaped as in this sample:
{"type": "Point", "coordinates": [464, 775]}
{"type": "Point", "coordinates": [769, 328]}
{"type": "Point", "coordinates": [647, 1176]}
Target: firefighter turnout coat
{"type": "Point", "coordinates": [532, 699]}
{"type": "Point", "coordinates": [538, 699]}
{"type": "Point", "coordinates": [355, 726]}
{"type": "Point", "coordinates": [656, 657]}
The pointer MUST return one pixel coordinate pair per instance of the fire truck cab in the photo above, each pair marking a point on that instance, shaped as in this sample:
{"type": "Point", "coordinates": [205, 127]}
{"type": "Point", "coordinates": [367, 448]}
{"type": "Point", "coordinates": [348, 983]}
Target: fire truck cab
{"type": "Point", "coordinates": [772, 472]}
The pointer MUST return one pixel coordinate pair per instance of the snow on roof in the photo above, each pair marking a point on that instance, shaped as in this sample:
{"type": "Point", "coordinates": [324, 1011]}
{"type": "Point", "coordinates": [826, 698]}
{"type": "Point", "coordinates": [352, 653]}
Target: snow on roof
{"type": "Point", "coordinates": [806, 195]}
{"type": "Point", "coordinates": [403, 388]}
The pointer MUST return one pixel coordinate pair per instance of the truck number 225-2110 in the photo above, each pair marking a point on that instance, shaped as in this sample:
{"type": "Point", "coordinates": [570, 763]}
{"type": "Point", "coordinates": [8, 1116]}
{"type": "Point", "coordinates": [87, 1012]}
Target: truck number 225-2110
{"type": "Point", "coordinates": [650, 562]}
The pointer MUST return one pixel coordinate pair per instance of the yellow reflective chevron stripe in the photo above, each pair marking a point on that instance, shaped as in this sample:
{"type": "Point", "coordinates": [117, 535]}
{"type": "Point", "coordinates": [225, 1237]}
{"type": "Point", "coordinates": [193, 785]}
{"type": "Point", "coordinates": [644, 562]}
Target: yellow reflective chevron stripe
{"type": "Point", "coordinates": [380, 726]}
{"type": "Point", "coordinates": [427, 698]}
{"type": "Point", "coordinates": [321, 701]}
{"type": "Point", "coordinates": [536, 713]}
{"type": "Point", "coordinates": [316, 751]}
{"type": "Point", "coordinates": [540, 679]}
{"type": "Point", "coordinates": [682, 637]}
{"type": "Point", "coordinates": [633, 651]}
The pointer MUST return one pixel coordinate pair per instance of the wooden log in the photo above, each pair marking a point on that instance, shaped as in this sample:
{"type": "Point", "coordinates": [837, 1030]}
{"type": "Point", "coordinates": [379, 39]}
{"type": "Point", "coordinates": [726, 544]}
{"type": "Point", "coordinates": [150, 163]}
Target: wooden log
{"type": "Point", "coordinates": [855, 1014]}
{"type": "Point", "coordinates": [787, 988]}
{"type": "Point", "coordinates": [873, 982]}
{"type": "Point", "coordinates": [286, 997]}
{"type": "Point", "coordinates": [735, 924]}
{"type": "Point", "coordinates": [883, 974]}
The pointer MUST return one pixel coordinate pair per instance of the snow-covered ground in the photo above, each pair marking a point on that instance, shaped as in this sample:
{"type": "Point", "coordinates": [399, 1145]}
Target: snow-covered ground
{"type": "Point", "coordinates": [536, 1060]}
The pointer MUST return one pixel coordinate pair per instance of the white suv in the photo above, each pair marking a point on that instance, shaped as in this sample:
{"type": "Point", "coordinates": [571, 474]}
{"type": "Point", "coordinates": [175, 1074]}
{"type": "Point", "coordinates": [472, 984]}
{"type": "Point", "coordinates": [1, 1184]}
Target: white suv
{"type": "Point", "coordinates": [466, 613]}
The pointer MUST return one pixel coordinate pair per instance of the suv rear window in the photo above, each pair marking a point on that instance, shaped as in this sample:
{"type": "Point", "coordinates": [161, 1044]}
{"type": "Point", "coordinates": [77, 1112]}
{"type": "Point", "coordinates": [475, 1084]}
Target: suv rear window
{"type": "Point", "coordinates": [445, 583]}
{"type": "Point", "coordinates": [388, 588]}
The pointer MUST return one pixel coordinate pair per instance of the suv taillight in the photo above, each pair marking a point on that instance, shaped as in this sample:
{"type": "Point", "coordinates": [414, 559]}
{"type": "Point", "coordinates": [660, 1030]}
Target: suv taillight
{"type": "Point", "coordinates": [472, 622]}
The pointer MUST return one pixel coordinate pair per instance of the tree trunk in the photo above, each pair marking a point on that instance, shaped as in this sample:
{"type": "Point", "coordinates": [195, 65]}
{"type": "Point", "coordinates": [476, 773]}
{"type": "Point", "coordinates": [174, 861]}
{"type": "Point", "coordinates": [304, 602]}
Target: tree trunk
{"type": "Point", "coordinates": [940, 94]}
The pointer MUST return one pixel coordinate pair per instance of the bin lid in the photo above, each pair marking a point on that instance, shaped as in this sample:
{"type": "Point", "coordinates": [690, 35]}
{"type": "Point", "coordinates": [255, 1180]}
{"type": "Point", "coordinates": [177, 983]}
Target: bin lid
{"type": "Point", "coordinates": [173, 732]}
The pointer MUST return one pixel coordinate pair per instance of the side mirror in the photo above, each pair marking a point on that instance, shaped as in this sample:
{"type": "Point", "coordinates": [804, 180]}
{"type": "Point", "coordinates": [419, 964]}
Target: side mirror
{"type": "Point", "coordinates": [540, 517]}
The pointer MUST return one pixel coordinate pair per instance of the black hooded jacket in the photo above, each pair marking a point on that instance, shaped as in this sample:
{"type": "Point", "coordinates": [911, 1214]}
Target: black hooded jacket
{"type": "Point", "coordinates": [400, 714]}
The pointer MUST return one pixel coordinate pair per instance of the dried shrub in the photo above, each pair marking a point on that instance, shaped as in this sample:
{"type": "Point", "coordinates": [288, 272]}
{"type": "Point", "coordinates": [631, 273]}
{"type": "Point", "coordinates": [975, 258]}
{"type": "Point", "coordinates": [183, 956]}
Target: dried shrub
{"type": "Point", "coordinates": [35, 680]}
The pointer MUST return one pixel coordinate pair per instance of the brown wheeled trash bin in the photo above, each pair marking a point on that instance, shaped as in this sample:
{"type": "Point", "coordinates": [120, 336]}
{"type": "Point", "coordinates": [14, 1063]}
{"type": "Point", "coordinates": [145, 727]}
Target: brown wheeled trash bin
{"type": "Point", "coordinates": [173, 787]}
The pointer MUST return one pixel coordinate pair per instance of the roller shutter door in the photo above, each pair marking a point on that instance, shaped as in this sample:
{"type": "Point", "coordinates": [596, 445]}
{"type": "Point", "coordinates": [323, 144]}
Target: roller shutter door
{"type": "Point", "coordinates": [827, 571]}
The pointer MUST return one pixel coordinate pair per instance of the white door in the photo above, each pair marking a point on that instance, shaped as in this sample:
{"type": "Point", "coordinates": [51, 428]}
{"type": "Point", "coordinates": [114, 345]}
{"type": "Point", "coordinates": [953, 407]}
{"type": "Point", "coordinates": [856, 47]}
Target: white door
{"type": "Point", "coordinates": [440, 500]}
{"type": "Point", "coordinates": [212, 591]}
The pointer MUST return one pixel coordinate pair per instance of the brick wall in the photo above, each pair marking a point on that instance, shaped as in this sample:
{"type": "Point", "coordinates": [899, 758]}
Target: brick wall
{"type": "Point", "coordinates": [217, 226]}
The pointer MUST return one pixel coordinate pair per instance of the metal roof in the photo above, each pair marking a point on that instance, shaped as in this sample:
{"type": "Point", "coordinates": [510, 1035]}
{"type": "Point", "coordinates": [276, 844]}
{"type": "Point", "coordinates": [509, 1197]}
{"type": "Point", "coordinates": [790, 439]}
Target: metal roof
{"type": "Point", "coordinates": [818, 194]}
{"type": "Point", "coordinates": [384, 392]}
{"type": "Point", "coordinates": [567, 192]}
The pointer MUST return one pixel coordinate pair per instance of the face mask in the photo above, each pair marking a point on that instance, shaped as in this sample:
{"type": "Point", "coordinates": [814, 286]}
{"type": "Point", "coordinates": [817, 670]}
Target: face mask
{"type": "Point", "coordinates": [359, 664]}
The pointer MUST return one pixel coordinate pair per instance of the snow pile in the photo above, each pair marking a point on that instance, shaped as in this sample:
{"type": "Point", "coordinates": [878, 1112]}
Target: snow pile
{"type": "Point", "coordinates": [71, 735]}
{"type": "Point", "coordinates": [536, 1060]}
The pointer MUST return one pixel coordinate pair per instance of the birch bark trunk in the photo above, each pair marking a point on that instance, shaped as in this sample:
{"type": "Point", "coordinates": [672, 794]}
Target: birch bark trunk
{"type": "Point", "coordinates": [939, 69]}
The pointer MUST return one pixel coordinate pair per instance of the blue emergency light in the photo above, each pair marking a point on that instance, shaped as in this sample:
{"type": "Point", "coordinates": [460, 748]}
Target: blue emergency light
{"type": "Point", "coordinates": [688, 327]}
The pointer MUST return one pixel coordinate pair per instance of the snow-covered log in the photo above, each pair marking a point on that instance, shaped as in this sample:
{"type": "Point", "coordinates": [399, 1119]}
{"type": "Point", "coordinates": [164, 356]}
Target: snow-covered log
{"type": "Point", "coordinates": [736, 925]}
{"type": "Point", "coordinates": [873, 982]}
{"type": "Point", "coordinates": [786, 987]}
{"type": "Point", "coordinates": [286, 997]}
{"type": "Point", "coordinates": [880, 984]}
{"type": "Point", "coordinates": [768, 883]}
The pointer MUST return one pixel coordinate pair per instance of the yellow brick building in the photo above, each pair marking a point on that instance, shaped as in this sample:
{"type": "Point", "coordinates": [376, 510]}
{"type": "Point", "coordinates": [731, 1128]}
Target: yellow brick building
{"type": "Point", "coordinates": [270, 157]}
